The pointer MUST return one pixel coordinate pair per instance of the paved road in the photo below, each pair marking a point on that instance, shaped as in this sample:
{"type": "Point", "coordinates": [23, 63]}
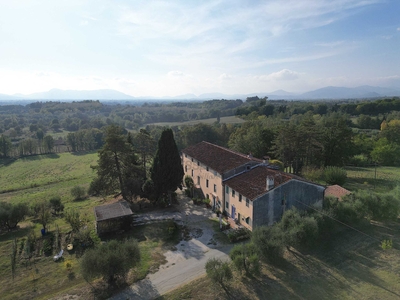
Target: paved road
{"type": "Point", "coordinates": [186, 263]}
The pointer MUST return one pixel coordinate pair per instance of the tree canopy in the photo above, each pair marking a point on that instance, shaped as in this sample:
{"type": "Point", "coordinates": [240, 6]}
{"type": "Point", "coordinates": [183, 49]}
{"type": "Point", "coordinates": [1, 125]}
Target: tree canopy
{"type": "Point", "coordinates": [167, 171]}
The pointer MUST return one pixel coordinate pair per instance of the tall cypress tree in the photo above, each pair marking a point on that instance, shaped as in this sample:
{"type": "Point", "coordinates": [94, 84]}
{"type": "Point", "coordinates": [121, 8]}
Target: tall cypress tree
{"type": "Point", "coordinates": [167, 171]}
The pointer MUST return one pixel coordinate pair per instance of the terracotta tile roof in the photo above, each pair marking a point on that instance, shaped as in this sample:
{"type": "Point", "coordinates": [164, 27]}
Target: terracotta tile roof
{"type": "Point", "coordinates": [113, 210]}
{"type": "Point", "coordinates": [336, 191]}
{"type": "Point", "coordinates": [218, 158]}
{"type": "Point", "coordinates": [252, 183]}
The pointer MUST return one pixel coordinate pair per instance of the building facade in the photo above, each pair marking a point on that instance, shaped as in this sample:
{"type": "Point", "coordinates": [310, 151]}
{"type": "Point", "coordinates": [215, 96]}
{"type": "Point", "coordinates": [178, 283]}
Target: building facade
{"type": "Point", "coordinates": [247, 189]}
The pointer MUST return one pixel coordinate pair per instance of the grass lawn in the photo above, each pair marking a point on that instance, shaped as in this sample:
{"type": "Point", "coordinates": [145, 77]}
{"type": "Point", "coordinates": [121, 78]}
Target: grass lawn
{"type": "Point", "coordinates": [347, 265]}
{"type": "Point", "coordinates": [226, 120]}
{"type": "Point", "coordinates": [41, 177]}
{"type": "Point", "coordinates": [363, 178]}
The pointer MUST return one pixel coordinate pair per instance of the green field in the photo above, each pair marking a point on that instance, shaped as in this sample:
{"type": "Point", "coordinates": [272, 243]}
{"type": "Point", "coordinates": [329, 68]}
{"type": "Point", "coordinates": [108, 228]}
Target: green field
{"type": "Point", "coordinates": [226, 120]}
{"type": "Point", "coordinates": [33, 178]}
{"type": "Point", "coordinates": [383, 179]}
{"type": "Point", "coordinates": [42, 177]}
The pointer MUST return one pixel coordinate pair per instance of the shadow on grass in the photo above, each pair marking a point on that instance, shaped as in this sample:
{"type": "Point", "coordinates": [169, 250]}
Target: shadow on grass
{"type": "Point", "coordinates": [83, 153]}
{"type": "Point", "coordinates": [15, 234]}
{"type": "Point", "coordinates": [40, 156]}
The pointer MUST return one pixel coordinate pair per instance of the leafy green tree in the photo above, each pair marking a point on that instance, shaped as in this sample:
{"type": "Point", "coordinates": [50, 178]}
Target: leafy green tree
{"type": "Point", "coordinates": [12, 214]}
{"type": "Point", "coordinates": [298, 230]}
{"type": "Point", "coordinates": [337, 140]}
{"type": "Point", "coordinates": [48, 144]}
{"type": "Point", "coordinates": [73, 218]}
{"type": "Point", "coordinates": [146, 147]}
{"type": "Point", "coordinates": [268, 241]}
{"type": "Point", "coordinates": [167, 171]}
{"type": "Point", "coordinates": [245, 258]}
{"type": "Point", "coordinates": [219, 272]}
{"type": "Point", "coordinates": [44, 214]}
{"type": "Point", "coordinates": [56, 204]}
{"type": "Point", "coordinates": [5, 146]}
{"type": "Point", "coordinates": [386, 153]}
{"type": "Point", "coordinates": [118, 166]}
{"type": "Point", "coordinates": [111, 261]}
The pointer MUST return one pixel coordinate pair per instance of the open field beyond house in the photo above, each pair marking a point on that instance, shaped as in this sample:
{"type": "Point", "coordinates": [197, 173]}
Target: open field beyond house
{"type": "Point", "coordinates": [226, 120]}
{"type": "Point", "coordinates": [381, 179]}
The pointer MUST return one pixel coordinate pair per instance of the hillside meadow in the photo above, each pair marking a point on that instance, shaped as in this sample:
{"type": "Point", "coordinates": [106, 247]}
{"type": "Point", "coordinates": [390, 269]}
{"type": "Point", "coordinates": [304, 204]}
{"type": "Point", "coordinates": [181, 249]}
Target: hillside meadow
{"type": "Point", "coordinates": [40, 178]}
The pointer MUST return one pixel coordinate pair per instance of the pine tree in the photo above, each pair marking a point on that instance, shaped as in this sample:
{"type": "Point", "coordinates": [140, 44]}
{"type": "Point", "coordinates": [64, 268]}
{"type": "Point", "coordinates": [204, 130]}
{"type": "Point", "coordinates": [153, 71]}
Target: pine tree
{"type": "Point", "coordinates": [117, 165]}
{"type": "Point", "coordinates": [167, 171]}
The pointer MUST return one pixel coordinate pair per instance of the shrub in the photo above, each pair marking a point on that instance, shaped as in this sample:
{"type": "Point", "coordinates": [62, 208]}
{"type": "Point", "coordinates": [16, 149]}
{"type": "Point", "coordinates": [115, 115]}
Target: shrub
{"type": "Point", "coordinates": [359, 160]}
{"type": "Point", "coordinates": [312, 173]}
{"type": "Point", "coordinates": [335, 175]}
{"type": "Point", "coordinates": [379, 206]}
{"type": "Point", "coordinates": [78, 192]}
{"type": "Point", "coordinates": [277, 163]}
{"type": "Point", "coordinates": [188, 180]}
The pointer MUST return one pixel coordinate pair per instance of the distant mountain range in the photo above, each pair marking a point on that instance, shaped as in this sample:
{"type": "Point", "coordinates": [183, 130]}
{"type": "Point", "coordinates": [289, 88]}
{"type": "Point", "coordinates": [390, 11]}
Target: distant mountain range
{"type": "Point", "coordinates": [329, 92]}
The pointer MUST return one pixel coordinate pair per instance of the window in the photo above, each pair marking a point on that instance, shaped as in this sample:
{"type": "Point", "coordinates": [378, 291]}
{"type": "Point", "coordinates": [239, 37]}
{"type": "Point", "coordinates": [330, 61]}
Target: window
{"type": "Point", "coordinates": [198, 163]}
{"type": "Point", "coordinates": [192, 159]}
{"type": "Point", "coordinates": [207, 168]}
{"type": "Point", "coordinates": [198, 180]}
{"type": "Point", "coordinates": [185, 169]}
{"type": "Point", "coordinates": [247, 202]}
{"type": "Point", "coordinates": [207, 196]}
{"type": "Point", "coordinates": [227, 205]}
{"type": "Point", "coordinates": [227, 189]}
{"type": "Point", "coordinates": [215, 188]}
{"type": "Point", "coordinates": [192, 173]}
{"type": "Point", "coordinates": [233, 193]}
{"type": "Point", "coordinates": [185, 155]}
{"type": "Point", "coordinates": [248, 220]}
{"type": "Point", "coordinates": [206, 182]}
{"type": "Point", "coordinates": [240, 197]}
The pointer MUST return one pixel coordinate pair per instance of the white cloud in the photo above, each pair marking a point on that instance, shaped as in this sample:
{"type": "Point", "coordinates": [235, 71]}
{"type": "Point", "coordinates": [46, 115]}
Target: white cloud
{"type": "Point", "coordinates": [398, 28]}
{"type": "Point", "coordinates": [330, 44]}
{"type": "Point", "coordinates": [284, 74]}
{"type": "Point", "coordinates": [84, 23]}
{"type": "Point", "coordinates": [175, 74]}
{"type": "Point", "coordinates": [224, 76]}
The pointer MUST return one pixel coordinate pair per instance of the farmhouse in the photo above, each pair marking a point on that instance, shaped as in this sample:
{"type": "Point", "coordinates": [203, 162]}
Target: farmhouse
{"type": "Point", "coordinates": [247, 189]}
{"type": "Point", "coordinates": [113, 217]}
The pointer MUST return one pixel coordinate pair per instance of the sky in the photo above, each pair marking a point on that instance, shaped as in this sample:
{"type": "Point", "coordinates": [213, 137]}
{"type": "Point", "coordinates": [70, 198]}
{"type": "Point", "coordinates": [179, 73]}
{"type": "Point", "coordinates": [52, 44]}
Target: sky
{"type": "Point", "coordinates": [170, 48]}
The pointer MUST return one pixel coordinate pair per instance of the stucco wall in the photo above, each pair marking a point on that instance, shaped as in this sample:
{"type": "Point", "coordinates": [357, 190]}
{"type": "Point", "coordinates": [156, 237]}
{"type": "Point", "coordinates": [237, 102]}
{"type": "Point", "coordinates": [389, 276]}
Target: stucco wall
{"type": "Point", "coordinates": [268, 209]}
{"type": "Point", "coordinates": [197, 170]}
{"type": "Point", "coordinates": [242, 211]}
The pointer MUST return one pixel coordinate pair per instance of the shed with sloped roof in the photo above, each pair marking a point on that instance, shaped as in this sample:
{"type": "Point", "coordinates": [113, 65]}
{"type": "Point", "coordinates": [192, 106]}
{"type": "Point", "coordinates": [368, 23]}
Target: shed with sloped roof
{"type": "Point", "coordinates": [113, 217]}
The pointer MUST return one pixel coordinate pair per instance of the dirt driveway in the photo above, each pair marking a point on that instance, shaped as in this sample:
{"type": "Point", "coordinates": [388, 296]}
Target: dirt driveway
{"type": "Point", "coordinates": [187, 262]}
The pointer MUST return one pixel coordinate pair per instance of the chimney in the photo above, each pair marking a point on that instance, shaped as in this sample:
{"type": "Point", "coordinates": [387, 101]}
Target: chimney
{"type": "Point", "coordinates": [266, 160]}
{"type": "Point", "coordinates": [270, 183]}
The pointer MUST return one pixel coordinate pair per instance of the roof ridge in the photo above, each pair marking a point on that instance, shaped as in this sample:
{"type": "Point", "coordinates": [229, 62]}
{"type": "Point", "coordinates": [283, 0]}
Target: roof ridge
{"type": "Point", "coordinates": [233, 151]}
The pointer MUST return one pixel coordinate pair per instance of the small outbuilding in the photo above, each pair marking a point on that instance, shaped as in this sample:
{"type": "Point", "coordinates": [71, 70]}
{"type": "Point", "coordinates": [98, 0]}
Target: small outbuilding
{"type": "Point", "coordinates": [113, 217]}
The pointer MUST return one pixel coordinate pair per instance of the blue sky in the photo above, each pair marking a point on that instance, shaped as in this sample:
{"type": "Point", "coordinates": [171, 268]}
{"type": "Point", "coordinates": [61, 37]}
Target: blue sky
{"type": "Point", "coordinates": [168, 48]}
